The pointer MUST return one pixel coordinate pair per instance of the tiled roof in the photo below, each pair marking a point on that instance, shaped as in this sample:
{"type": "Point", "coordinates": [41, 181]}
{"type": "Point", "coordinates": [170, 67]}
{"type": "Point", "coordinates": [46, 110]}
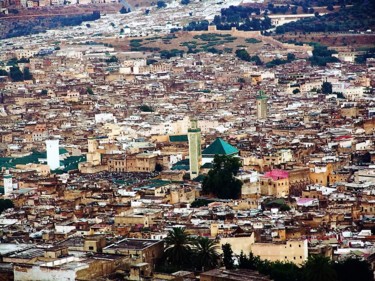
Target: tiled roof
{"type": "Point", "coordinates": [178, 138]}
{"type": "Point", "coordinates": [220, 147]}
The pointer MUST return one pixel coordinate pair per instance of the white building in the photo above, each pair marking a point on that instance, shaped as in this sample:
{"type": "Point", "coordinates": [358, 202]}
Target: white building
{"type": "Point", "coordinates": [8, 183]}
{"type": "Point", "coordinates": [53, 157]}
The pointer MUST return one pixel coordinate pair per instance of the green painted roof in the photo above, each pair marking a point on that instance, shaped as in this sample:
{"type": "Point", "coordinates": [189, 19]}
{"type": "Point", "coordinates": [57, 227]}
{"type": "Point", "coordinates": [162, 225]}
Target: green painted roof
{"type": "Point", "coordinates": [181, 165]}
{"type": "Point", "coordinates": [62, 151]}
{"type": "Point", "coordinates": [220, 147]}
{"type": "Point", "coordinates": [70, 163]}
{"type": "Point", "coordinates": [178, 138]}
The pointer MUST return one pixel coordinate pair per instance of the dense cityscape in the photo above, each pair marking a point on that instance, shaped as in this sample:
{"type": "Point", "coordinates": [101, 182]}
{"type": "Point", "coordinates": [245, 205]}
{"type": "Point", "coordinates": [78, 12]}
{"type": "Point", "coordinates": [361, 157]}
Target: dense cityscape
{"type": "Point", "coordinates": [187, 140]}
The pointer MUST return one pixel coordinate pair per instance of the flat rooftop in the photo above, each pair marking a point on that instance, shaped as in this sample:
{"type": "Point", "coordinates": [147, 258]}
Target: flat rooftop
{"type": "Point", "coordinates": [133, 244]}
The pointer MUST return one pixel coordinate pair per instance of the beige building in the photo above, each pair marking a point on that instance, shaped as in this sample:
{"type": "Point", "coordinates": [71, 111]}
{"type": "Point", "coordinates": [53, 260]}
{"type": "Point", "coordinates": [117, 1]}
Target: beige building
{"type": "Point", "coordinates": [295, 251]}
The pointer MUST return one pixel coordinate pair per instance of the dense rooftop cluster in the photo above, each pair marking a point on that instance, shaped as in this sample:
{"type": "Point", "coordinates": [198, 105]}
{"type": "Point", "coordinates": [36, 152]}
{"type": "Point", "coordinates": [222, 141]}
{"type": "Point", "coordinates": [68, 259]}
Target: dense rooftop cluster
{"type": "Point", "coordinates": [303, 134]}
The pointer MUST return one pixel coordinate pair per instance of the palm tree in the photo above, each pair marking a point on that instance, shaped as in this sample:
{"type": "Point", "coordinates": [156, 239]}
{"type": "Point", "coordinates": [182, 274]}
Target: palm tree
{"type": "Point", "coordinates": [206, 256]}
{"type": "Point", "coordinates": [178, 247]}
{"type": "Point", "coordinates": [319, 268]}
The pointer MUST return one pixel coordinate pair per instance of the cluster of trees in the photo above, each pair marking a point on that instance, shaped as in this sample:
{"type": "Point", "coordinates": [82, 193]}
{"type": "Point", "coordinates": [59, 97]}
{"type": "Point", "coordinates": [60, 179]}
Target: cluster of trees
{"type": "Point", "coordinates": [354, 17]}
{"type": "Point", "coordinates": [197, 25]}
{"type": "Point", "coordinates": [321, 55]}
{"type": "Point", "coordinates": [146, 108]}
{"type": "Point", "coordinates": [186, 252]}
{"type": "Point", "coordinates": [239, 17]}
{"type": "Point", "coordinates": [369, 53]}
{"type": "Point", "coordinates": [221, 181]}
{"type": "Point", "coordinates": [326, 88]}
{"type": "Point", "coordinates": [244, 55]}
{"type": "Point", "coordinates": [123, 10]}
{"type": "Point", "coordinates": [136, 45]}
{"type": "Point", "coordinates": [185, 2]}
{"type": "Point", "coordinates": [167, 54]}
{"type": "Point", "coordinates": [161, 4]}
{"type": "Point", "coordinates": [317, 268]}
{"type": "Point", "coordinates": [272, 63]}
{"type": "Point", "coordinates": [234, 16]}
{"type": "Point", "coordinates": [112, 59]}
{"type": "Point", "coordinates": [5, 204]}
{"type": "Point", "coordinates": [17, 75]}
{"type": "Point", "coordinates": [283, 9]}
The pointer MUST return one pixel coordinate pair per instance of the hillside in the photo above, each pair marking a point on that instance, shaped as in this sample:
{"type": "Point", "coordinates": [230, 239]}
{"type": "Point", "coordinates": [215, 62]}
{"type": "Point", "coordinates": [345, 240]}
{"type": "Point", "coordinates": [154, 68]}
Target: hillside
{"type": "Point", "coordinates": [359, 17]}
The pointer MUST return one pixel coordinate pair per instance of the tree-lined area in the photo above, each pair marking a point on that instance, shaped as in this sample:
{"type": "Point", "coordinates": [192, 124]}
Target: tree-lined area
{"type": "Point", "coordinates": [193, 253]}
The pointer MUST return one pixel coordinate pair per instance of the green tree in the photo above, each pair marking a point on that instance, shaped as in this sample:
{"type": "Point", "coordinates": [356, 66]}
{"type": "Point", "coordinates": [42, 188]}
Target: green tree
{"type": "Point", "coordinates": [123, 10]}
{"type": "Point", "coordinates": [16, 74]}
{"type": "Point", "coordinates": [326, 88]}
{"type": "Point", "coordinates": [26, 74]}
{"type": "Point", "coordinates": [353, 269]}
{"type": "Point", "coordinates": [44, 92]}
{"type": "Point", "coordinates": [296, 91]}
{"type": "Point", "coordinates": [89, 91]}
{"type": "Point", "coordinates": [5, 204]}
{"type": "Point", "coordinates": [330, 7]}
{"type": "Point", "coordinates": [3, 72]}
{"type": "Point", "coordinates": [112, 59]}
{"type": "Point", "coordinates": [291, 56]}
{"type": "Point", "coordinates": [158, 167]}
{"type": "Point", "coordinates": [178, 247]}
{"type": "Point", "coordinates": [146, 108]}
{"type": "Point", "coordinates": [319, 268]}
{"type": "Point", "coordinates": [227, 256]}
{"type": "Point", "coordinates": [206, 256]}
{"type": "Point", "coordinates": [221, 180]}
{"type": "Point", "coordinates": [252, 262]}
{"type": "Point", "coordinates": [161, 4]}
{"type": "Point", "coordinates": [185, 2]}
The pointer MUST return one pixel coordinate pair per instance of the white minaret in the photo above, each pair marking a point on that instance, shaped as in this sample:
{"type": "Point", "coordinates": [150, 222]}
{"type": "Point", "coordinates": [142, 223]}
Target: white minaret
{"type": "Point", "coordinates": [53, 156]}
{"type": "Point", "coordinates": [8, 183]}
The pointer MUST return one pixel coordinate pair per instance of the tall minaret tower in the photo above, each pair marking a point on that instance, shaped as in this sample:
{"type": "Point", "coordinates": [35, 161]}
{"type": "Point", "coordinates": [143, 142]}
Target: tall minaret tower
{"type": "Point", "coordinates": [53, 155]}
{"type": "Point", "coordinates": [93, 155]}
{"type": "Point", "coordinates": [8, 183]}
{"type": "Point", "coordinates": [261, 105]}
{"type": "Point", "coordinates": [195, 152]}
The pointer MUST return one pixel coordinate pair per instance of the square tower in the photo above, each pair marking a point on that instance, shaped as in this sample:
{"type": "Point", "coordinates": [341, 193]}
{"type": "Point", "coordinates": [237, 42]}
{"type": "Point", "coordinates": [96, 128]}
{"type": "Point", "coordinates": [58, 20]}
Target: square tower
{"type": "Point", "coordinates": [195, 152]}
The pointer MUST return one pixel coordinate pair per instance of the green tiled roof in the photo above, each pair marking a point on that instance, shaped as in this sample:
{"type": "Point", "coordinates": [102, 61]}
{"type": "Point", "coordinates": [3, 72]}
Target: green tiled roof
{"type": "Point", "coordinates": [178, 138]}
{"type": "Point", "coordinates": [220, 147]}
{"type": "Point", "coordinates": [62, 151]}
{"type": "Point", "coordinates": [70, 163]}
{"type": "Point", "coordinates": [11, 162]}
{"type": "Point", "coordinates": [181, 165]}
